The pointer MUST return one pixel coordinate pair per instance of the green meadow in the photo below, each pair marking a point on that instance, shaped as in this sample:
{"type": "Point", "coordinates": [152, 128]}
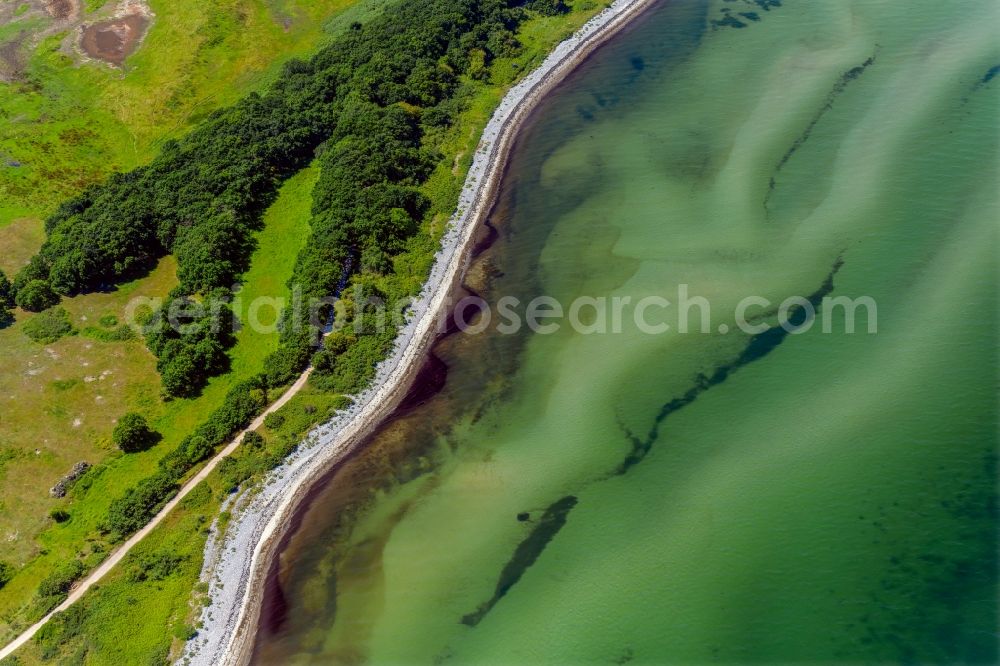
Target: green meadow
{"type": "Point", "coordinates": [68, 125]}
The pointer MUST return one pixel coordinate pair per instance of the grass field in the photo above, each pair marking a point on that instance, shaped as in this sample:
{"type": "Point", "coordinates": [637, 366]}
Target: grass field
{"type": "Point", "coordinates": [64, 125]}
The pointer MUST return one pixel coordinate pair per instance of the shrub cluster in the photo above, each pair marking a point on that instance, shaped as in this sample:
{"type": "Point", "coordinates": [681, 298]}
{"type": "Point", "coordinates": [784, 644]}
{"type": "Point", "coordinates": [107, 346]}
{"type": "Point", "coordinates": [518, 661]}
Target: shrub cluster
{"type": "Point", "coordinates": [60, 630]}
{"type": "Point", "coordinates": [132, 433]}
{"type": "Point", "coordinates": [35, 295]}
{"type": "Point", "coordinates": [6, 290]}
{"type": "Point", "coordinates": [253, 459]}
{"type": "Point", "coordinates": [7, 572]}
{"type": "Point", "coordinates": [109, 330]}
{"type": "Point", "coordinates": [57, 583]}
{"type": "Point", "coordinates": [154, 566]}
{"type": "Point", "coordinates": [285, 428]}
{"type": "Point", "coordinates": [48, 326]}
{"type": "Point", "coordinates": [139, 504]}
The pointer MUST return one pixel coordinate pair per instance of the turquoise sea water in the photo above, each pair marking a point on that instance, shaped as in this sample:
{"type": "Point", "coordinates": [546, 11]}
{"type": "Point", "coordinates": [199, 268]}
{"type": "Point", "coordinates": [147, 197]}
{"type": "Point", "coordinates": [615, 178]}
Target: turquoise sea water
{"type": "Point", "coordinates": [704, 496]}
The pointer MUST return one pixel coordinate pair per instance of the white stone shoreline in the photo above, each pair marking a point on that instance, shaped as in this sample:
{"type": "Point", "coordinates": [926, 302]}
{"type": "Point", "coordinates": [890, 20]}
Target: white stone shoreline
{"type": "Point", "coordinates": [237, 566]}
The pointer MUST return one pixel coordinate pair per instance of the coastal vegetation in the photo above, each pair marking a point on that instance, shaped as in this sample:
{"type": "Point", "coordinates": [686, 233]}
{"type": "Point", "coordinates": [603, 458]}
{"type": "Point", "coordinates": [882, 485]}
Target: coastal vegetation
{"type": "Point", "coordinates": [115, 373]}
{"type": "Point", "coordinates": [159, 579]}
{"type": "Point", "coordinates": [48, 326]}
{"type": "Point", "coordinates": [431, 124]}
{"type": "Point", "coordinates": [62, 400]}
{"type": "Point", "coordinates": [368, 98]}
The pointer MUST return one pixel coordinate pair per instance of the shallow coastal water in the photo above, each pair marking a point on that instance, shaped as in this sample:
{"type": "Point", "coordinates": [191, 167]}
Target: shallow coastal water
{"type": "Point", "coordinates": [704, 497]}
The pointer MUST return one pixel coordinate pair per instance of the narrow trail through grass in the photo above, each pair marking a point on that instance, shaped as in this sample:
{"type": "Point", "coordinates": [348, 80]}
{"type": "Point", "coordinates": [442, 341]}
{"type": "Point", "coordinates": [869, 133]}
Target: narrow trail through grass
{"type": "Point", "coordinates": [76, 373]}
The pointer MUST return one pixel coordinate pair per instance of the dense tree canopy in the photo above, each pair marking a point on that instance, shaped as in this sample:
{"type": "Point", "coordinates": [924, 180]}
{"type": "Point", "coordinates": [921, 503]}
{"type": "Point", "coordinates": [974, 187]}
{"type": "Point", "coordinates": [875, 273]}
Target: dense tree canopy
{"type": "Point", "coordinates": [365, 100]}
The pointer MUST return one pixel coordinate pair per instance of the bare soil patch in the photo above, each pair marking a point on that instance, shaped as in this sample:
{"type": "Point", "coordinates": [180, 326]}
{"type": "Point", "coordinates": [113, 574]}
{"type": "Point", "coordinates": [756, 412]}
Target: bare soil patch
{"type": "Point", "coordinates": [115, 39]}
{"type": "Point", "coordinates": [62, 10]}
{"type": "Point", "coordinates": [12, 60]}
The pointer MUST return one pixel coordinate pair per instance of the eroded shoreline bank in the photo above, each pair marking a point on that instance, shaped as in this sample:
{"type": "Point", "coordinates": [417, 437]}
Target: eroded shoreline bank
{"type": "Point", "coordinates": [237, 568]}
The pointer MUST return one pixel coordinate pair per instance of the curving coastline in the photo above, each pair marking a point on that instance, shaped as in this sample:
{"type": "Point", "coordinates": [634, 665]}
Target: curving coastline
{"type": "Point", "coordinates": [236, 568]}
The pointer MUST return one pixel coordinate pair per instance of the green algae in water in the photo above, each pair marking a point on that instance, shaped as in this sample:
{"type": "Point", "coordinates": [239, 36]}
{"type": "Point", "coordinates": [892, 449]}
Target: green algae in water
{"type": "Point", "coordinates": [834, 500]}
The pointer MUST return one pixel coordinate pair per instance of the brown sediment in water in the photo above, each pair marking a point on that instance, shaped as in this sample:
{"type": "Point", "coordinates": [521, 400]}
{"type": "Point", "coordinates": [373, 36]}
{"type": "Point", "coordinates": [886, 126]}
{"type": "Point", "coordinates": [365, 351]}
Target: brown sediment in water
{"type": "Point", "coordinates": [115, 39]}
{"type": "Point", "coordinates": [388, 444]}
{"type": "Point", "coordinates": [274, 605]}
{"type": "Point", "coordinates": [393, 439]}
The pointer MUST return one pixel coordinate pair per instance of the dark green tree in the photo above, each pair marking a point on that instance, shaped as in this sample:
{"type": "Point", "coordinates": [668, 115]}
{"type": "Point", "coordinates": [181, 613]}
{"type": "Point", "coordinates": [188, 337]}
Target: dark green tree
{"type": "Point", "coordinates": [284, 365]}
{"type": "Point", "coordinates": [547, 7]}
{"type": "Point", "coordinates": [36, 296]}
{"type": "Point", "coordinates": [6, 316]}
{"type": "Point", "coordinates": [139, 504]}
{"type": "Point", "coordinates": [133, 433]}
{"type": "Point", "coordinates": [198, 448]}
{"type": "Point", "coordinates": [253, 440]}
{"type": "Point", "coordinates": [191, 347]}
